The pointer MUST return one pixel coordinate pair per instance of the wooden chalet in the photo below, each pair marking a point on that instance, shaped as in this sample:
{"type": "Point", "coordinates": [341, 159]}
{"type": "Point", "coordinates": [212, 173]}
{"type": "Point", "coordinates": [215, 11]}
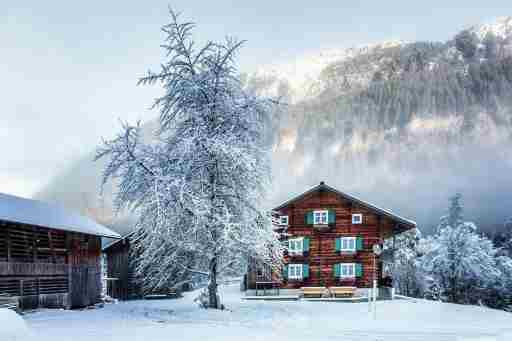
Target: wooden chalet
{"type": "Point", "coordinates": [49, 257]}
{"type": "Point", "coordinates": [329, 237]}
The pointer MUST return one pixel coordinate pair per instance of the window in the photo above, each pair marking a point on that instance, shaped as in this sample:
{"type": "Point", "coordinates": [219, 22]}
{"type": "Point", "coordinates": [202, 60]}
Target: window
{"type": "Point", "coordinates": [295, 271]}
{"type": "Point", "coordinates": [283, 220]}
{"type": "Point", "coordinates": [357, 218]}
{"type": "Point", "coordinates": [263, 272]}
{"type": "Point", "coordinates": [348, 244]}
{"type": "Point", "coordinates": [320, 217]}
{"type": "Point", "coordinates": [295, 245]}
{"type": "Point", "coordinates": [347, 270]}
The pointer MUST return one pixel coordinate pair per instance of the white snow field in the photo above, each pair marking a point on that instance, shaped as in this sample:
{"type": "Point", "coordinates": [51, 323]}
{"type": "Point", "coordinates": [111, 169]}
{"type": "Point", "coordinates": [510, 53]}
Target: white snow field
{"type": "Point", "coordinates": [181, 319]}
{"type": "Point", "coordinates": [12, 326]}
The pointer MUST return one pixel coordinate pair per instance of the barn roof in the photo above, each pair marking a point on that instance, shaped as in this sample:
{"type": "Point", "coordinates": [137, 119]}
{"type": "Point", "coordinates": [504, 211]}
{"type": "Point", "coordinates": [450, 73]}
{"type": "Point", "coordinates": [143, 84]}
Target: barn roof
{"type": "Point", "coordinates": [33, 212]}
{"type": "Point", "coordinates": [111, 243]}
{"type": "Point", "coordinates": [322, 186]}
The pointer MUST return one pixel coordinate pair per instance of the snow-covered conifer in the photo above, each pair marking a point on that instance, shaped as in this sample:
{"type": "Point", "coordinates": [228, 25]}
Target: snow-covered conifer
{"type": "Point", "coordinates": [404, 269]}
{"type": "Point", "coordinates": [460, 262]}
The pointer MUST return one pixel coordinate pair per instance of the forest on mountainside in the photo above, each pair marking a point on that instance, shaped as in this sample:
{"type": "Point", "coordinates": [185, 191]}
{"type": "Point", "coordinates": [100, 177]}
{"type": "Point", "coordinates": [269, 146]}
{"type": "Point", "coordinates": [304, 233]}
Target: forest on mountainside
{"type": "Point", "coordinates": [402, 125]}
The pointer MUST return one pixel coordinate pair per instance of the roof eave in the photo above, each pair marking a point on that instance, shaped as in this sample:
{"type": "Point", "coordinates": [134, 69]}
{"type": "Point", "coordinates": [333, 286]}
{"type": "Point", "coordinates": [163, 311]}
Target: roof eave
{"type": "Point", "coordinates": [412, 224]}
{"type": "Point", "coordinates": [115, 235]}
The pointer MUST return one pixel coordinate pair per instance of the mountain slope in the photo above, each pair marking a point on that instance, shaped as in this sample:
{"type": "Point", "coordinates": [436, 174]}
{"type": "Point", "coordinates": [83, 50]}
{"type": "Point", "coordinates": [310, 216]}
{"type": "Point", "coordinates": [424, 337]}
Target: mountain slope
{"type": "Point", "coordinates": [404, 125]}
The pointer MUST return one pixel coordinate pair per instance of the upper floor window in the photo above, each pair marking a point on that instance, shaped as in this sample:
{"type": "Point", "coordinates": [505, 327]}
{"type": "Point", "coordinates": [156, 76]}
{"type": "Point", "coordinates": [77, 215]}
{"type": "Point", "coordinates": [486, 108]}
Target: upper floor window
{"type": "Point", "coordinates": [295, 245]}
{"type": "Point", "coordinates": [283, 220]}
{"type": "Point", "coordinates": [320, 217]}
{"type": "Point", "coordinates": [357, 218]}
{"type": "Point", "coordinates": [348, 244]}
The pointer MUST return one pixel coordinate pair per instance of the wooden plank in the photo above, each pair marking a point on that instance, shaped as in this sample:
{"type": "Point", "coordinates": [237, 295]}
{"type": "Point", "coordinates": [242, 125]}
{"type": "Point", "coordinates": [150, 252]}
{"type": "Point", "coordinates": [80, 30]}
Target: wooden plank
{"type": "Point", "coordinates": [8, 245]}
{"type": "Point", "coordinates": [322, 255]}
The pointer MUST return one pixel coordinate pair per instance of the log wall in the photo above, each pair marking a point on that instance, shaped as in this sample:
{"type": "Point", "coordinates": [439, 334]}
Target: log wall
{"type": "Point", "coordinates": [322, 254]}
{"type": "Point", "coordinates": [49, 268]}
{"type": "Point", "coordinates": [119, 267]}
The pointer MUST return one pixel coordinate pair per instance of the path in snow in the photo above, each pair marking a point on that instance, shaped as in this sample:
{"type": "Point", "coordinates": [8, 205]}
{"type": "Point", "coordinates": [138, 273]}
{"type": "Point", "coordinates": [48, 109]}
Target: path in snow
{"type": "Point", "coordinates": [256, 320]}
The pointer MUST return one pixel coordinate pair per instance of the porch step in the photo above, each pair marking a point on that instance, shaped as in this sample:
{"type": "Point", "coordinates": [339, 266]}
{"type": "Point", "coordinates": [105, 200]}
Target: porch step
{"type": "Point", "coordinates": [337, 299]}
{"type": "Point", "coordinates": [272, 298]}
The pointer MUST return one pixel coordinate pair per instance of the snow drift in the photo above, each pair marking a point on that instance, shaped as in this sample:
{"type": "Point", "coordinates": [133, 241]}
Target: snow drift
{"type": "Point", "coordinates": [12, 326]}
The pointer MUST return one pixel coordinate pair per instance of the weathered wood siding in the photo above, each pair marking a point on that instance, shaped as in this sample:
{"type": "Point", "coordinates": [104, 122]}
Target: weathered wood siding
{"type": "Point", "coordinates": [38, 266]}
{"type": "Point", "coordinates": [85, 265]}
{"type": "Point", "coordinates": [322, 255]}
{"type": "Point", "coordinates": [119, 267]}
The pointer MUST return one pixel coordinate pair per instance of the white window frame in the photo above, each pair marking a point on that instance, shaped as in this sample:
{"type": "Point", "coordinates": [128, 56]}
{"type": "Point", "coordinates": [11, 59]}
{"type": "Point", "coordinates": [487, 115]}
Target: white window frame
{"type": "Point", "coordinates": [350, 270]}
{"type": "Point", "coordinates": [345, 244]}
{"type": "Point", "coordinates": [298, 244]}
{"type": "Point", "coordinates": [319, 214]}
{"type": "Point", "coordinates": [295, 271]}
{"type": "Point", "coordinates": [357, 218]}
{"type": "Point", "coordinates": [283, 220]}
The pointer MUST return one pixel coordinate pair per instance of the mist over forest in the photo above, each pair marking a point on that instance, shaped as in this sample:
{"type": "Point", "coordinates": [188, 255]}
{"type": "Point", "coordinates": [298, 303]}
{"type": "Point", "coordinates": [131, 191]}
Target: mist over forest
{"type": "Point", "coordinates": [401, 125]}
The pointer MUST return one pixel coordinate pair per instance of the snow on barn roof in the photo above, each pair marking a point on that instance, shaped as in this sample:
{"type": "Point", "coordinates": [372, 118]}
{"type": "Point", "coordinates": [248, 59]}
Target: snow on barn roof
{"type": "Point", "coordinates": [32, 212]}
{"type": "Point", "coordinates": [322, 186]}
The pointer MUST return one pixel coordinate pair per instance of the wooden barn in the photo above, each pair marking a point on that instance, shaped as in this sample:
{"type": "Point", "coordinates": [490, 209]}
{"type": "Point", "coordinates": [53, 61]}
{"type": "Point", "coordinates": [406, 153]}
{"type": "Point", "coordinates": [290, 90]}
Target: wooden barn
{"type": "Point", "coordinates": [121, 283]}
{"type": "Point", "coordinates": [329, 237]}
{"type": "Point", "coordinates": [49, 257]}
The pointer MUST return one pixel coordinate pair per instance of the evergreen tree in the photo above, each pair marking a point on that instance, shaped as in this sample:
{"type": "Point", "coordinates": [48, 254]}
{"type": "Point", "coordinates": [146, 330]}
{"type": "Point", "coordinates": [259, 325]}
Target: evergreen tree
{"type": "Point", "coordinates": [404, 270]}
{"type": "Point", "coordinates": [466, 42]}
{"type": "Point", "coordinates": [460, 262]}
{"type": "Point", "coordinates": [491, 46]}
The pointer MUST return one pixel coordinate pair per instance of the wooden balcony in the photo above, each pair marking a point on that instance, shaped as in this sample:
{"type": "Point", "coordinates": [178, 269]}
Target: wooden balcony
{"type": "Point", "coordinates": [32, 269]}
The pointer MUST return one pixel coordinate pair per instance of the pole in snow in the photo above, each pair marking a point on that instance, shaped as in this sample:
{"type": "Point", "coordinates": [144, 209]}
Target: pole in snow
{"type": "Point", "coordinates": [376, 252]}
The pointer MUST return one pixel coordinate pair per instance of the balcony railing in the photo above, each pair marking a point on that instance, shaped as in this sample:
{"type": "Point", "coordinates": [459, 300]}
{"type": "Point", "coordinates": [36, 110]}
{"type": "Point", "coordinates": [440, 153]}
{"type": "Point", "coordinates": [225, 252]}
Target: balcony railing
{"type": "Point", "coordinates": [32, 269]}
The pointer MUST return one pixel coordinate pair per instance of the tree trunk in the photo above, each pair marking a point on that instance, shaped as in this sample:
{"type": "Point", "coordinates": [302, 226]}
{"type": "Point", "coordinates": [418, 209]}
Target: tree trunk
{"type": "Point", "coordinates": [213, 297]}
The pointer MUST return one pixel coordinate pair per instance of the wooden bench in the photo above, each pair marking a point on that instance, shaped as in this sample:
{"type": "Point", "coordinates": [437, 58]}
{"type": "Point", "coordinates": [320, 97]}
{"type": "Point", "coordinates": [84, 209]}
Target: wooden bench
{"type": "Point", "coordinates": [313, 291]}
{"type": "Point", "coordinates": [342, 291]}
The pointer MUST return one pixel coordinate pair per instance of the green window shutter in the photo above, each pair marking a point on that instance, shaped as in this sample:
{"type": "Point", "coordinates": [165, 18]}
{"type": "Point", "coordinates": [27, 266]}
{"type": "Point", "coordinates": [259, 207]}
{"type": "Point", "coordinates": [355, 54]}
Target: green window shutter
{"type": "Point", "coordinates": [337, 244]}
{"type": "Point", "coordinates": [359, 243]}
{"type": "Point", "coordinates": [337, 269]}
{"type": "Point", "coordinates": [309, 218]}
{"type": "Point", "coordinates": [305, 270]}
{"type": "Point", "coordinates": [359, 270]}
{"type": "Point", "coordinates": [285, 271]}
{"type": "Point", "coordinates": [331, 217]}
{"type": "Point", "coordinates": [305, 244]}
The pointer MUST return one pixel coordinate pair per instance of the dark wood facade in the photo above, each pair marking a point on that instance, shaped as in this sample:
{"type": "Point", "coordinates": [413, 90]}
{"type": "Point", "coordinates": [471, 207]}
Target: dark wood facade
{"type": "Point", "coordinates": [121, 283]}
{"type": "Point", "coordinates": [321, 256]}
{"type": "Point", "coordinates": [51, 268]}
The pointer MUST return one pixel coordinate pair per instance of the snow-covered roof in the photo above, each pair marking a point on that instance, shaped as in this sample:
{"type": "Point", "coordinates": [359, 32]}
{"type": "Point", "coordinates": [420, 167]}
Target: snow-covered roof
{"type": "Point", "coordinates": [32, 212]}
{"type": "Point", "coordinates": [322, 186]}
{"type": "Point", "coordinates": [114, 242]}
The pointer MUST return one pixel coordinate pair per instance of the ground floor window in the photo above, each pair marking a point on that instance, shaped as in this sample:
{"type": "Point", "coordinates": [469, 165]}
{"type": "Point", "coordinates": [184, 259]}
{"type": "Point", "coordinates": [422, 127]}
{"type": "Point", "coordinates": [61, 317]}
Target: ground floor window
{"type": "Point", "coordinates": [295, 271]}
{"type": "Point", "coordinates": [347, 270]}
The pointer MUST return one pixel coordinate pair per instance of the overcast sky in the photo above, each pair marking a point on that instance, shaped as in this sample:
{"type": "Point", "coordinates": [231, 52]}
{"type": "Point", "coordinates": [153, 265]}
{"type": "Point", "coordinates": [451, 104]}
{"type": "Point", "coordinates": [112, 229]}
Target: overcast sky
{"type": "Point", "coordinates": [68, 69]}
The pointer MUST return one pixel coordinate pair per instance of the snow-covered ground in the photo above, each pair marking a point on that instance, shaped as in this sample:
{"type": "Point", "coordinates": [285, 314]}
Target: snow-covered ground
{"type": "Point", "coordinates": [12, 326]}
{"type": "Point", "coordinates": [257, 320]}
